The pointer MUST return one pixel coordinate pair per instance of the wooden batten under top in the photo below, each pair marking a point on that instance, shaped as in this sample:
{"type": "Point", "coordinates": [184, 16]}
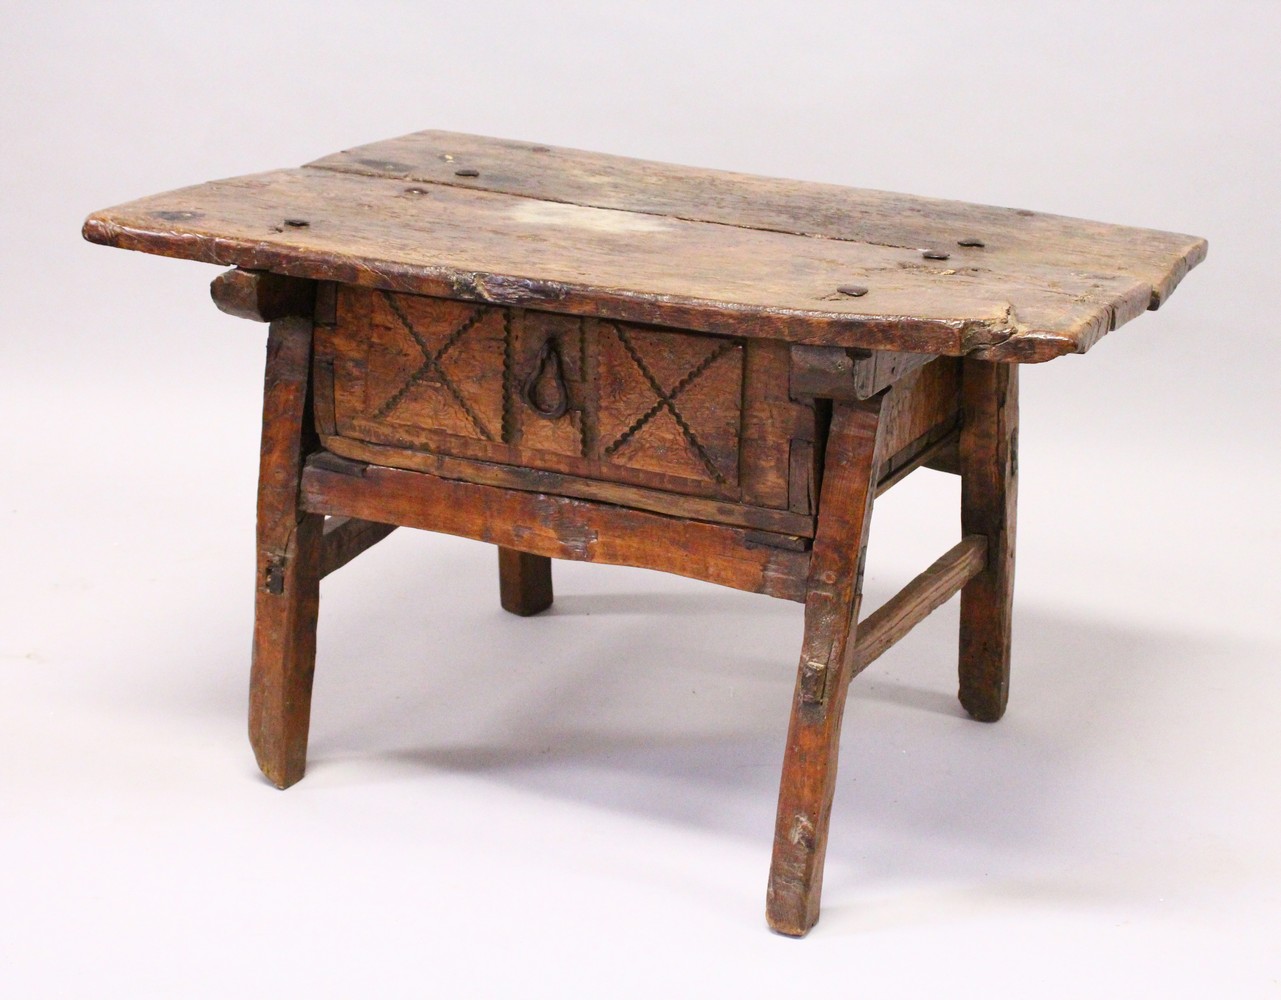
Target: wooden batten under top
{"type": "Point", "coordinates": [262, 296]}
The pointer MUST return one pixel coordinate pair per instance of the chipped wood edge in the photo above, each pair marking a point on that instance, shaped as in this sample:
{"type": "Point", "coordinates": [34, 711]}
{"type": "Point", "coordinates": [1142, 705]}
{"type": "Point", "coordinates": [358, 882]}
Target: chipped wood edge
{"type": "Point", "coordinates": [950, 336]}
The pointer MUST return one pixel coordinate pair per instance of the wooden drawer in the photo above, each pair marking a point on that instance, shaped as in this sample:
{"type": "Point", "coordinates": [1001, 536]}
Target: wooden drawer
{"type": "Point", "coordinates": [411, 381]}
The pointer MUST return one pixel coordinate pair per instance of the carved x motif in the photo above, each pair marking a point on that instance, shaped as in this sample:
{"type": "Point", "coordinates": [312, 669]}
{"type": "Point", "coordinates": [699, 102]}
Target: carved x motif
{"type": "Point", "coordinates": [667, 400]}
{"type": "Point", "coordinates": [431, 365]}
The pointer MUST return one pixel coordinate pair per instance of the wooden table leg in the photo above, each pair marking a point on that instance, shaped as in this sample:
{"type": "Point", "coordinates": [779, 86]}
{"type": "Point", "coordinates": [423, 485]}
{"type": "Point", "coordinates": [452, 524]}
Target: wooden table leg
{"type": "Point", "coordinates": [989, 489]}
{"type": "Point", "coordinates": [287, 595]}
{"type": "Point", "coordinates": [524, 582]}
{"type": "Point", "coordinates": [834, 592]}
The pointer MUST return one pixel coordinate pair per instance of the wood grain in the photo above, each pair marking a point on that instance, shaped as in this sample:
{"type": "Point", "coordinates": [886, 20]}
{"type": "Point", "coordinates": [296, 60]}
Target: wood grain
{"type": "Point", "coordinates": [579, 356]}
{"type": "Point", "coordinates": [771, 419]}
{"type": "Point", "coordinates": [560, 527]}
{"type": "Point", "coordinates": [578, 177]}
{"type": "Point", "coordinates": [928, 591]}
{"type": "Point", "coordinates": [542, 481]}
{"type": "Point", "coordinates": [344, 538]}
{"type": "Point", "coordinates": [287, 595]}
{"type": "Point", "coordinates": [654, 407]}
{"type": "Point", "coordinates": [670, 412]}
{"type": "Point", "coordinates": [262, 296]}
{"type": "Point", "coordinates": [766, 263]}
{"type": "Point", "coordinates": [524, 582]}
{"type": "Point", "coordinates": [989, 496]}
{"type": "Point", "coordinates": [924, 401]}
{"type": "Point", "coordinates": [932, 450]}
{"type": "Point", "coordinates": [847, 373]}
{"type": "Point", "coordinates": [833, 594]}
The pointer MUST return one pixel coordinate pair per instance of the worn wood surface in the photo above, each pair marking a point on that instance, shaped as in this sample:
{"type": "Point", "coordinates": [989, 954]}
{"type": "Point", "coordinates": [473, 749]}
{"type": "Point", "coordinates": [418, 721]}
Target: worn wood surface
{"type": "Point", "coordinates": [290, 542]}
{"type": "Point", "coordinates": [848, 373]}
{"type": "Point", "coordinates": [541, 481]}
{"type": "Point", "coordinates": [613, 401]}
{"type": "Point", "coordinates": [702, 250]}
{"type": "Point", "coordinates": [828, 211]}
{"type": "Point", "coordinates": [409, 380]}
{"type": "Point", "coordinates": [920, 420]}
{"type": "Point", "coordinates": [925, 400]}
{"type": "Point", "coordinates": [989, 495]}
{"type": "Point", "coordinates": [524, 582]}
{"type": "Point", "coordinates": [560, 527]}
{"type": "Point", "coordinates": [581, 356]}
{"type": "Point", "coordinates": [262, 296]}
{"type": "Point", "coordinates": [770, 414]}
{"type": "Point", "coordinates": [833, 594]}
{"type": "Point", "coordinates": [344, 538]}
{"type": "Point", "coordinates": [947, 456]}
{"type": "Point", "coordinates": [804, 473]}
{"type": "Point", "coordinates": [930, 590]}
{"type": "Point", "coordinates": [931, 450]}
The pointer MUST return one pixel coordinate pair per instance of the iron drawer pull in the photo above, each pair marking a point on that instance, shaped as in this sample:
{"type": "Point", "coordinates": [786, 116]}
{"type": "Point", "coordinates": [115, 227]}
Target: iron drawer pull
{"type": "Point", "coordinates": [548, 356]}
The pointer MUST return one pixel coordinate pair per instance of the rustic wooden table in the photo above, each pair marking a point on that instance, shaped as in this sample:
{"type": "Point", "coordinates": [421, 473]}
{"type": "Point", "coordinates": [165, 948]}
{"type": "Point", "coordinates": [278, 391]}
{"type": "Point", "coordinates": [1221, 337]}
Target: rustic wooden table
{"type": "Point", "coordinates": [580, 356]}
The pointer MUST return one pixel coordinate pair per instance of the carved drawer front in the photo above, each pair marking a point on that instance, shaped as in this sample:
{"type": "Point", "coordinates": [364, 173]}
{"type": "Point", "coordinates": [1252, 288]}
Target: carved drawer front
{"type": "Point", "coordinates": [593, 398]}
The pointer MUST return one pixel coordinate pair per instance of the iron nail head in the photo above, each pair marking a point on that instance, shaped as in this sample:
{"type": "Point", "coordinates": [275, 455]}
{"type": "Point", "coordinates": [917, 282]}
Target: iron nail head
{"type": "Point", "coordinates": [935, 254]}
{"type": "Point", "coordinates": [970, 241]}
{"type": "Point", "coordinates": [297, 223]}
{"type": "Point", "coordinates": [467, 172]}
{"type": "Point", "coordinates": [853, 291]}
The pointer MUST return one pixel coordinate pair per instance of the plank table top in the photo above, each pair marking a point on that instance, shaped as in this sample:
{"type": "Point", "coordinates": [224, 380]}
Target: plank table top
{"type": "Point", "coordinates": [522, 224]}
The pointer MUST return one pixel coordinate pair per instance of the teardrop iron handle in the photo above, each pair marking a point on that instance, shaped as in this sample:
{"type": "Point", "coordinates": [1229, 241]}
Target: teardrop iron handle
{"type": "Point", "coordinates": [548, 356]}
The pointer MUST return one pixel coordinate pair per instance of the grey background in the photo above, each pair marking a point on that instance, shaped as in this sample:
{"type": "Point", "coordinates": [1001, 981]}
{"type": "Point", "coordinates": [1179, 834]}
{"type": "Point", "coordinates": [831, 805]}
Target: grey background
{"type": "Point", "coordinates": [582, 804]}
